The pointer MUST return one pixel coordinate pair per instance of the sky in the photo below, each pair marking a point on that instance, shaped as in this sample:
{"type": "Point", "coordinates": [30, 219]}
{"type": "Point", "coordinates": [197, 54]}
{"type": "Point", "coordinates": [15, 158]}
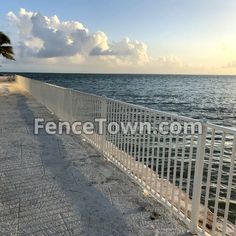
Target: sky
{"type": "Point", "coordinates": [125, 36]}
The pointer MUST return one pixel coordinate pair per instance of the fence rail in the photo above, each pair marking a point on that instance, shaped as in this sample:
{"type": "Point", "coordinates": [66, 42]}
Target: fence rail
{"type": "Point", "coordinates": [194, 175]}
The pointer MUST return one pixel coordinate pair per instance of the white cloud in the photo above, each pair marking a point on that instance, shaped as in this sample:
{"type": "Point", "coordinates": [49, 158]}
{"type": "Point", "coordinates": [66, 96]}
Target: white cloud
{"type": "Point", "coordinates": [46, 39]}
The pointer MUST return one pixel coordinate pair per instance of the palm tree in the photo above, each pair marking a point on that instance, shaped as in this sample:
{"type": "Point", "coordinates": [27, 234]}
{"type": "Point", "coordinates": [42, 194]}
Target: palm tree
{"type": "Point", "coordinates": [6, 50]}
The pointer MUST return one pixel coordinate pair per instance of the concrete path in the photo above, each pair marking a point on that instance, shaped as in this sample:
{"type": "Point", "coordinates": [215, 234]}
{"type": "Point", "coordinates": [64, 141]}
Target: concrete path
{"type": "Point", "coordinates": [59, 185]}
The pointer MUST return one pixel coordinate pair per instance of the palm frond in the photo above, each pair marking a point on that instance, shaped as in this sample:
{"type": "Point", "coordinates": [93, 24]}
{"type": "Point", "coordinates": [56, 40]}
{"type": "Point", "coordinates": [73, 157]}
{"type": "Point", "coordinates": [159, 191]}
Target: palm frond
{"type": "Point", "coordinates": [5, 49]}
{"type": "Point", "coordinates": [7, 52]}
{"type": "Point", "coordinates": [4, 39]}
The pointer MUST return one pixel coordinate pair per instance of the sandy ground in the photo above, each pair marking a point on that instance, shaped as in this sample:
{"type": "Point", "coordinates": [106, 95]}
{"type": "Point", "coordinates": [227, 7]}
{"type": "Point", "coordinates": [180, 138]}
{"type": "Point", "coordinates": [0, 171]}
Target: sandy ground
{"type": "Point", "coordinates": [60, 185]}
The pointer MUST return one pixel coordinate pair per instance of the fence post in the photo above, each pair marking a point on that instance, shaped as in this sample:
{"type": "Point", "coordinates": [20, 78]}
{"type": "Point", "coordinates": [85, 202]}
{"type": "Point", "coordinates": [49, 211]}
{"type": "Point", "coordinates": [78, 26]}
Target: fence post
{"type": "Point", "coordinates": [197, 183]}
{"type": "Point", "coordinates": [103, 116]}
{"type": "Point", "coordinates": [70, 113]}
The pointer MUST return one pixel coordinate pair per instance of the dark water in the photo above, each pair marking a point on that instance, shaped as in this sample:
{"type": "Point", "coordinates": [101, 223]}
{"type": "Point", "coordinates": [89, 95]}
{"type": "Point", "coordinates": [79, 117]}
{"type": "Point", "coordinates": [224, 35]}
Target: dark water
{"type": "Point", "coordinates": [197, 96]}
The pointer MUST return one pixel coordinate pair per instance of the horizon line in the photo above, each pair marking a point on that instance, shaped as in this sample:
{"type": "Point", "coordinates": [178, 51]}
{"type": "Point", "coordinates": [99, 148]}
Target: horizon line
{"type": "Point", "coordinates": [114, 73]}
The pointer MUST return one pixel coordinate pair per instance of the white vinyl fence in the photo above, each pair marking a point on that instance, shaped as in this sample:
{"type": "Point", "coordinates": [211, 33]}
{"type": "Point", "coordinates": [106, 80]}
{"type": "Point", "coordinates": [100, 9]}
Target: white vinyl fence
{"type": "Point", "coordinates": [193, 175]}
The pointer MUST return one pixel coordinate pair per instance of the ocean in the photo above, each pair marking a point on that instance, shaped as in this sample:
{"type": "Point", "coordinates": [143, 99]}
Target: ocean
{"type": "Point", "coordinates": [212, 97]}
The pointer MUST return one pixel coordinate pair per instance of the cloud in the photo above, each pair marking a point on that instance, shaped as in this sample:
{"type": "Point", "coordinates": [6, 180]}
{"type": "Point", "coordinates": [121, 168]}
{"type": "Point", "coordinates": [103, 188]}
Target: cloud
{"type": "Point", "coordinates": [231, 64]}
{"type": "Point", "coordinates": [46, 40]}
{"type": "Point", "coordinates": [97, 51]}
{"type": "Point", "coordinates": [124, 48]}
{"type": "Point", "coordinates": [48, 37]}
